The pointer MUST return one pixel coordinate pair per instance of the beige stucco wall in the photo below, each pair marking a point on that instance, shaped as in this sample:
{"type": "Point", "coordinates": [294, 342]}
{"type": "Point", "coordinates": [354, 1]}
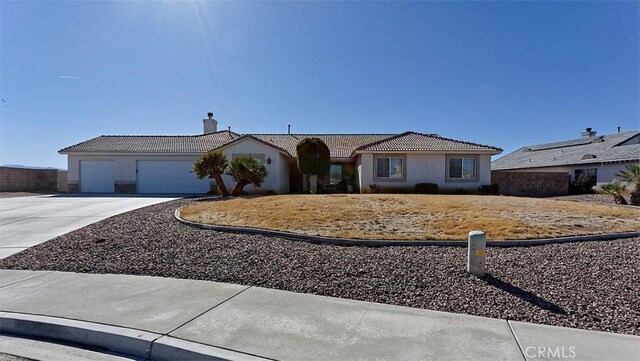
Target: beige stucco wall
{"type": "Point", "coordinates": [277, 179]}
{"type": "Point", "coordinates": [125, 164]}
{"type": "Point", "coordinates": [421, 168]}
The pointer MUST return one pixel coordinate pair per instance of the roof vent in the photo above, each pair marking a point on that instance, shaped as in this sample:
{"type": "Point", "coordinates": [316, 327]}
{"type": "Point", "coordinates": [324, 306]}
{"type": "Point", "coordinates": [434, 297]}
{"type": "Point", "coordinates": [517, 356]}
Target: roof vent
{"type": "Point", "coordinates": [588, 156]}
{"type": "Point", "coordinates": [588, 133]}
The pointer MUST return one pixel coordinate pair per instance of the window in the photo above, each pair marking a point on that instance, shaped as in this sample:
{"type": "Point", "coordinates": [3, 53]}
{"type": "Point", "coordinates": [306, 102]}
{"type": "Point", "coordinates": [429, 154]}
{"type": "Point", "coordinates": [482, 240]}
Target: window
{"type": "Point", "coordinates": [335, 174]}
{"type": "Point", "coordinates": [462, 168]}
{"type": "Point", "coordinates": [389, 167]}
{"type": "Point", "coordinates": [588, 176]}
{"type": "Point", "coordinates": [258, 157]}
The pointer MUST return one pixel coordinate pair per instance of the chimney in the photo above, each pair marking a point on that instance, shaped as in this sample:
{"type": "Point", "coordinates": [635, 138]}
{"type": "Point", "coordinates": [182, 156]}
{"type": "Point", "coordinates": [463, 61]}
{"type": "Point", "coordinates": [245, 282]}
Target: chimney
{"type": "Point", "coordinates": [618, 129]}
{"type": "Point", "coordinates": [289, 129]}
{"type": "Point", "coordinates": [588, 133]}
{"type": "Point", "coordinates": [210, 124]}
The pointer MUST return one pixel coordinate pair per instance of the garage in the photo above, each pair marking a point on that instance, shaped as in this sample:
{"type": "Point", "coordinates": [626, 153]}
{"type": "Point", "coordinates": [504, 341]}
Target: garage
{"type": "Point", "coordinates": [169, 176]}
{"type": "Point", "coordinates": [97, 176]}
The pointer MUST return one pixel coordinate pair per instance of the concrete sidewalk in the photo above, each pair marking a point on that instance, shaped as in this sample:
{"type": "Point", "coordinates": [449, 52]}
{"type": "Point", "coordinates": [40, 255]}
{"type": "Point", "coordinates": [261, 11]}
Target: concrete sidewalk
{"type": "Point", "coordinates": [163, 318]}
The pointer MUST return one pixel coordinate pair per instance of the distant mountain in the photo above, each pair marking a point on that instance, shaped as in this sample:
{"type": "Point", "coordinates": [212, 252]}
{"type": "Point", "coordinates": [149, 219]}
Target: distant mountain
{"type": "Point", "coordinates": [27, 166]}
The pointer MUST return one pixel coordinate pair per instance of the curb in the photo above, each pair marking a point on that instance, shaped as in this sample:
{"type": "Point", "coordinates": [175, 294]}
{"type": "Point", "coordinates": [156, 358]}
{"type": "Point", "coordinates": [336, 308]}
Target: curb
{"type": "Point", "coordinates": [395, 242]}
{"type": "Point", "coordinates": [142, 344]}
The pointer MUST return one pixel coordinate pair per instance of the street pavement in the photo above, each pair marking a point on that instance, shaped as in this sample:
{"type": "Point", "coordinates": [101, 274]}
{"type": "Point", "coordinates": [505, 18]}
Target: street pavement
{"type": "Point", "coordinates": [164, 317]}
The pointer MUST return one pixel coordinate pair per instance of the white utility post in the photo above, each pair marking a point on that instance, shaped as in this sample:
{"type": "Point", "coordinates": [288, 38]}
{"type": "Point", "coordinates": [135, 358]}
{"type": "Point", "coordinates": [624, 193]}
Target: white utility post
{"type": "Point", "coordinates": [476, 247]}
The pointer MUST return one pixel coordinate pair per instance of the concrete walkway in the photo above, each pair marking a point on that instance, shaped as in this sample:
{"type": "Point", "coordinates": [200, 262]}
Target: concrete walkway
{"type": "Point", "coordinates": [164, 318]}
{"type": "Point", "coordinates": [28, 221]}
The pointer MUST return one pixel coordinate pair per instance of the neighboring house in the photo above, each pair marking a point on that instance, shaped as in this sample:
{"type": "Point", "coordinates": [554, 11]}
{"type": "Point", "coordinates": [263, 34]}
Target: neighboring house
{"type": "Point", "coordinates": [600, 156]}
{"type": "Point", "coordinates": [382, 162]}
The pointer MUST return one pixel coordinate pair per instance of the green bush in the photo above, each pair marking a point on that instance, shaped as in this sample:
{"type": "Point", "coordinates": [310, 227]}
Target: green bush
{"type": "Point", "coordinates": [426, 188]}
{"type": "Point", "coordinates": [615, 189]}
{"type": "Point", "coordinates": [245, 171]}
{"type": "Point", "coordinates": [583, 184]}
{"type": "Point", "coordinates": [313, 157]}
{"type": "Point", "coordinates": [631, 176]}
{"type": "Point", "coordinates": [212, 164]}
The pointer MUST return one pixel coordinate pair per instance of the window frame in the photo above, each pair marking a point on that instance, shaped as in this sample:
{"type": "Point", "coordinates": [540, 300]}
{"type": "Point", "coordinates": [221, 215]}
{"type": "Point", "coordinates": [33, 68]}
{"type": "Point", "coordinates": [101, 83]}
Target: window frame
{"type": "Point", "coordinates": [462, 179]}
{"type": "Point", "coordinates": [592, 171]}
{"type": "Point", "coordinates": [403, 159]}
{"type": "Point", "coordinates": [260, 157]}
{"type": "Point", "coordinates": [341, 172]}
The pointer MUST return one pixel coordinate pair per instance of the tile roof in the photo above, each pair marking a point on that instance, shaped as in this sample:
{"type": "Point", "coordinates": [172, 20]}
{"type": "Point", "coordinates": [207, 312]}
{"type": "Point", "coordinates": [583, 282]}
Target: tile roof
{"type": "Point", "coordinates": [618, 147]}
{"type": "Point", "coordinates": [340, 145]}
{"type": "Point", "coordinates": [152, 143]}
{"type": "Point", "coordinates": [259, 140]}
{"type": "Point", "coordinates": [412, 141]}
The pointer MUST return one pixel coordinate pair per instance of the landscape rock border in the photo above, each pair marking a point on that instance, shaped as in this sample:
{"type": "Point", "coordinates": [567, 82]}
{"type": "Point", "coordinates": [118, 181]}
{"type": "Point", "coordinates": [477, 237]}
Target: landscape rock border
{"type": "Point", "coordinates": [396, 242]}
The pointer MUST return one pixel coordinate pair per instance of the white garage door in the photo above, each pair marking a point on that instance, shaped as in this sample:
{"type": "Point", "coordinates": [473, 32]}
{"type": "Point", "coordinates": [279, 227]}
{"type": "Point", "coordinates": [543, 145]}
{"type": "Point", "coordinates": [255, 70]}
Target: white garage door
{"type": "Point", "coordinates": [97, 176]}
{"type": "Point", "coordinates": [169, 176]}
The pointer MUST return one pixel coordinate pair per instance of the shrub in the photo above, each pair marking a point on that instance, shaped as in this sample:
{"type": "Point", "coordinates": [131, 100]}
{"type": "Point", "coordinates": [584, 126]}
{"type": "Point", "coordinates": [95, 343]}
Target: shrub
{"type": "Point", "coordinates": [631, 176]}
{"type": "Point", "coordinates": [460, 191]}
{"type": "Point", "coordinates": [426, 188]}
{"type": "Point", "coordinates": [212, 164]}
{"type": "Point", "coordinates": [583, 184]}
{"type": "Point", "coordinates": [615, 189]}
{"type": "Point", "coordinates": [313, 157]}
{"type": "Point", "coordinates": [245, 171]}
{"type": "Point", "coordinates": [489, 189]}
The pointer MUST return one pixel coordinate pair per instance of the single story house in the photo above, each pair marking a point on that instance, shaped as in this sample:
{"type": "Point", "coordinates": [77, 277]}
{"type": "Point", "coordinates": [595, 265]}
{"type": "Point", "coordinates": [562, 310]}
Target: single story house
{"type": "Point", "coordinates": [600, 156]}
{"type": "Point", "coordinates": [162, 164]}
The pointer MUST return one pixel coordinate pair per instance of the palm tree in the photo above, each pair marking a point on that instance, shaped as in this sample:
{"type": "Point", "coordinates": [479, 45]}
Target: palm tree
{"type": "Point", "coordinates": [245, 171]}
{"type": "Point", "coordinates": [615, 189]}
{"type": "Point", "coordinates": [212, 164]}
{"type": "Point", "coordinates": [631, 176]}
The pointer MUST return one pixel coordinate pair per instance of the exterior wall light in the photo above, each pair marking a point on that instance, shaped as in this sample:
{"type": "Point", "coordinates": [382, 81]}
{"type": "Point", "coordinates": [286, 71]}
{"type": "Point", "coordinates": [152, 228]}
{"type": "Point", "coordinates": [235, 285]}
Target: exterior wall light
{"type": "Point", "coordinates": [269, 160]}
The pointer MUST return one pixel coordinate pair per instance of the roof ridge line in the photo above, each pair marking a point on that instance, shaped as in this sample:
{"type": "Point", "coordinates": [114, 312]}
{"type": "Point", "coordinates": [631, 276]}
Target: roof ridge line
{"type": "Point", "coordinates": [250, 136]}
{"type": "Point", "coordinates": [574, 139]}
{"type": "Point", "coordinates": [166, 135]}
{"type": "Point", "coordinates": [465, 142]}
{"type": "Point", "coordinates": [389, 134]}
{"type": "Point", "coordinates": [383, 140]}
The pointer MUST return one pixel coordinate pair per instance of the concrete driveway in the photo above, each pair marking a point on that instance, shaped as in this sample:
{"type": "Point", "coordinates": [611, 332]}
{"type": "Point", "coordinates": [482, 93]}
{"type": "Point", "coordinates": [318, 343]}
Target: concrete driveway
{"type": "Point", "coordinates": [28, 221]}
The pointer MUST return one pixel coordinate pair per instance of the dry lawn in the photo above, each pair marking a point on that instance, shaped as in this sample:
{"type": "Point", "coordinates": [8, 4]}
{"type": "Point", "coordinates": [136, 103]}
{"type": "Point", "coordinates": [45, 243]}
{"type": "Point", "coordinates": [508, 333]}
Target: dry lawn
{"type": "Point", "coordinates": [392, 216]}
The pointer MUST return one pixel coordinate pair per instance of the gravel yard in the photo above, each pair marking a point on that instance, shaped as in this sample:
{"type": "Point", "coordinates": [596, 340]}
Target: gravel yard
{"type": "Point", "coordinates": [589, 198]}
{"type": "Point", "coordinates": [589, 285]}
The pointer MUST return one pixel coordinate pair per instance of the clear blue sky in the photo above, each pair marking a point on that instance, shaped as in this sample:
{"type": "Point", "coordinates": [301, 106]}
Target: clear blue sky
{"type": "Point", "coordinates": [501, 73]}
